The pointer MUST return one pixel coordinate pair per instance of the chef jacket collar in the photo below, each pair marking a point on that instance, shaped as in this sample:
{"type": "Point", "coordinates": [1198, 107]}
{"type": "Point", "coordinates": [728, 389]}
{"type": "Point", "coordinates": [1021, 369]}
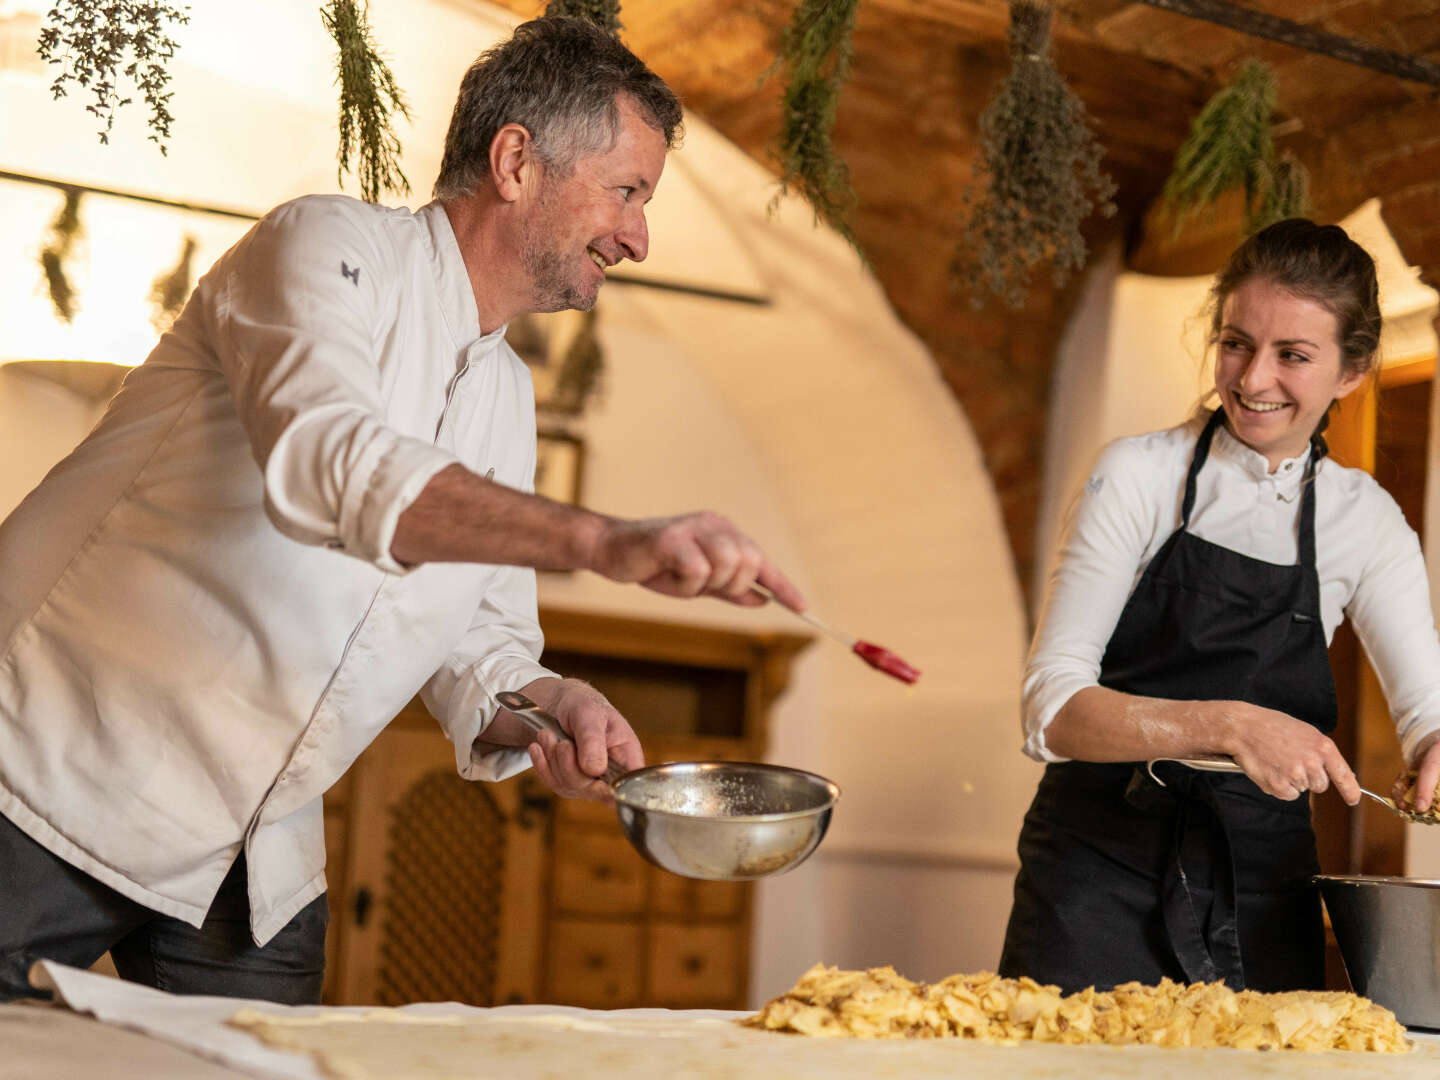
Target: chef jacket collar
{"type": "Point", "coordinates": [1286, 478]}
{"type": "Point", "coordinates": [462, 316]}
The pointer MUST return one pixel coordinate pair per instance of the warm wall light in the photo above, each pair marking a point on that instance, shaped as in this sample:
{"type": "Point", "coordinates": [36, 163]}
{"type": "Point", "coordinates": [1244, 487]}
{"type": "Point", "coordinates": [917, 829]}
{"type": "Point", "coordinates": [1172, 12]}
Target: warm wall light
{"type": "Point", "coordinates": [125, 246]}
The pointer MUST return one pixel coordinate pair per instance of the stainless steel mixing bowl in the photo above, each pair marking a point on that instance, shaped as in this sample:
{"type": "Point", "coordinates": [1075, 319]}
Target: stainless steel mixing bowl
{"type": "Point", "coordinates": [1388, 930]}
{"type": "Point", "coordinates": [724, 820]}
{"type": "Point", "coordinates": [714, 820]}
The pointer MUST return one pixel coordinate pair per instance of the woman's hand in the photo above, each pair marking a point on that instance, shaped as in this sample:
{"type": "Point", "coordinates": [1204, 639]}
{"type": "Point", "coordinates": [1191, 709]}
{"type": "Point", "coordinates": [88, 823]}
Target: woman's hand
{"type": "Point", "coordinates": [1426, 773]}
{"type": "Point", "coordinates": [1286, 757]}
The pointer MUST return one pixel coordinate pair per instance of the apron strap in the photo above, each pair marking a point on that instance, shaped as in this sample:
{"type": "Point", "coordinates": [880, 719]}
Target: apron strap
{"type": "Point", "coordinates": [1306, 537]}
{"type": "Point", "coordinates": [1202, 451]}
{"type": "Point", "coordinates": [1204, 953]}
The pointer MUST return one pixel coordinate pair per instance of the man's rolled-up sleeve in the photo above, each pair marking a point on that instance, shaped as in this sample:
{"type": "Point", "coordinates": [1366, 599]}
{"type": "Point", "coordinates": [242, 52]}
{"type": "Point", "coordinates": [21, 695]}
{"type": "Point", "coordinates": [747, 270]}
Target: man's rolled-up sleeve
{"type": "Point", "coordinates": [500, 651]}
{"type": "Point", "coordinates": [297, 342]}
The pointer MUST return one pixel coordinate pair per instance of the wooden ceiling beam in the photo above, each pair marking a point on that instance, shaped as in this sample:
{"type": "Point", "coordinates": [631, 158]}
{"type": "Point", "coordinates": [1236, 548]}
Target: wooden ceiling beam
{"type": "Point", "coordinates": [1272, 27]}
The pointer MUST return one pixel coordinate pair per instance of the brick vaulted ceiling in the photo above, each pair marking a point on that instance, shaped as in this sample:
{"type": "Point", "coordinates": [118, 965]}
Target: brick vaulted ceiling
{"type": "Point", "coordinates": [924, 69]}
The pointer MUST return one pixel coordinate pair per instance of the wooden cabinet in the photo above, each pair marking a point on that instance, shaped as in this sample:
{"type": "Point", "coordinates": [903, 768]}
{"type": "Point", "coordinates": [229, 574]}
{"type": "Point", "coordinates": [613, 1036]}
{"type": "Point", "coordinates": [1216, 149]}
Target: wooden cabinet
{"type": "Point", "coordinates": [442, 889]}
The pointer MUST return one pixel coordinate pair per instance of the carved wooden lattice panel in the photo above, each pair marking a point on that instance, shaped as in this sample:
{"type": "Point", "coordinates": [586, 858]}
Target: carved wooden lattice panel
{"type": "Point", "coordinates": [444, 875]}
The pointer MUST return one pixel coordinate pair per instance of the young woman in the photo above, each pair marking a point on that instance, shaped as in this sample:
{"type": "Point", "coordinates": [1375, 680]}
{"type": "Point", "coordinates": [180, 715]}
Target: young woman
{"type": "Point", "coordinates": [1205, 570]}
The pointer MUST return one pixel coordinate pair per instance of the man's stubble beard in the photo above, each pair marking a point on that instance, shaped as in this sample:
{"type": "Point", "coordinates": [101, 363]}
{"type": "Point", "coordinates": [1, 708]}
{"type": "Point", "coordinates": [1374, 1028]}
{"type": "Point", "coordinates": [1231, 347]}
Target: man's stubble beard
{"type": "Point", "coordinates": [552, 288]}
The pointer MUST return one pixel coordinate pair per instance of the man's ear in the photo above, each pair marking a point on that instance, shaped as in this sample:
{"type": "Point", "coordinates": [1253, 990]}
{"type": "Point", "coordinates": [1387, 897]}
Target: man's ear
{"type": "Point", "coordinates": [513, 165]}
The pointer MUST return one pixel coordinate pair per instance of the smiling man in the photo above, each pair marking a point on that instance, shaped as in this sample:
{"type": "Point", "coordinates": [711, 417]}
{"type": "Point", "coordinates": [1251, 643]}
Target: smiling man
{"type": "Point", "coordinates": [310, 503]}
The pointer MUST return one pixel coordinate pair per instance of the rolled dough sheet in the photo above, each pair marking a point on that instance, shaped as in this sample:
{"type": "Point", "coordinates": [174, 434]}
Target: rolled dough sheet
{"type": "Point", "coordinates": [394, 1045]}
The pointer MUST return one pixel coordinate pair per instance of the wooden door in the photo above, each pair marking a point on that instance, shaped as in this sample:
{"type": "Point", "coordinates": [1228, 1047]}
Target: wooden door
{"type": "Point", "coordinates": [444, 883]}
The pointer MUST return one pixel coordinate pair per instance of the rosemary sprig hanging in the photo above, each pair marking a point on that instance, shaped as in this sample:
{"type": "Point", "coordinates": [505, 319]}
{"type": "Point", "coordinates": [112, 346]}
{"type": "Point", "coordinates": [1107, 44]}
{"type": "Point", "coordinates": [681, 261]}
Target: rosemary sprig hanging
{"type": "Point", "coordinates": [816, 52]}
{"type": "Point", "coordinates": [90, 39]}
{"type": "Point", "coordinates": [65, 231]}
{"type": "Point", "coordinates": [1038, 174]}
{"type": "Point", "coordinates": [604, 13]}
{"type": "Point", "coordinates": [369, 100]}
{"type": "Point", "coordinates": [1230, 145]}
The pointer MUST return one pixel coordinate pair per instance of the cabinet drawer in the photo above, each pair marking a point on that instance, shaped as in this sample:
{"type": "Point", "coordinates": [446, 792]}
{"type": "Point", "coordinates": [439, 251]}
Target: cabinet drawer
{"type": "Point", "coordinates": [676, 897]}
{"type": "Point", "coordinates": [593, 964]}
{"type": "Point", "coordinates": [597, 873]}
{"type": "Point", "coordinates": [586, 812]}
{"type": "Point", "coordinates": [694, 966]}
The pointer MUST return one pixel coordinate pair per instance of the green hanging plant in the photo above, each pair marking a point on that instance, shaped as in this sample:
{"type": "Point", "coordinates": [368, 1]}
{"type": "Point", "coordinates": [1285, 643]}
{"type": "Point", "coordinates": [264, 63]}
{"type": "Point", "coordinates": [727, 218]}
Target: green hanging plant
{"type": "Point", "coordinates": [1038, 173]}
{"type": "Point", "coordinates": [1230, 145]}
{"type": "Point", "coordinates": [604, 13]}
{"type": "Point", "coordinates": [90, 39]}
{"type": "Point", "coordinates": [172, 288]}
{"type": "Point", "coordinates": [65, 232]}
{"type": "Point", "coordinates": [369, 100]}
{"type": "Point", "coordinates": [816, 52]}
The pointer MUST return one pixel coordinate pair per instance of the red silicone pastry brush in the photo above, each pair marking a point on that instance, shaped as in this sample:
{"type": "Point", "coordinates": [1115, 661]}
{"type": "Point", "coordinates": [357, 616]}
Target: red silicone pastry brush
{"type": "Point", "coordinates": [878, 657]}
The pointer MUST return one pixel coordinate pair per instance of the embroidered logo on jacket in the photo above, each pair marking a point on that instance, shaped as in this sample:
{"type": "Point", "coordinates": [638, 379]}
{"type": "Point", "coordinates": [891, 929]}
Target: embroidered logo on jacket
{"type": "Point", "coordinates": [353, 275]}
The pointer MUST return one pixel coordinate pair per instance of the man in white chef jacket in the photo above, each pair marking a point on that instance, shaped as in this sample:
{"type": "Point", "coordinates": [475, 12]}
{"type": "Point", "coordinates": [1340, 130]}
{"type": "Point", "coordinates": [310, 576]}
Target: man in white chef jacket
{"type": "Point", "coordinates": [309, 503]}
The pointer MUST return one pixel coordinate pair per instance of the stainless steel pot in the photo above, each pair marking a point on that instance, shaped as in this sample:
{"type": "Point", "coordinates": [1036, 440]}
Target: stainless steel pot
{"type": "Point", "coordinates": [1388, 930]}
{"type": "Point", "coordinates": [713, 820]}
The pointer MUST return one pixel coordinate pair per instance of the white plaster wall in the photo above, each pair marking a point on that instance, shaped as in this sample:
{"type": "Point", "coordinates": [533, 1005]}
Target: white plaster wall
{"type": "Point", "coordinates": [817, 421]}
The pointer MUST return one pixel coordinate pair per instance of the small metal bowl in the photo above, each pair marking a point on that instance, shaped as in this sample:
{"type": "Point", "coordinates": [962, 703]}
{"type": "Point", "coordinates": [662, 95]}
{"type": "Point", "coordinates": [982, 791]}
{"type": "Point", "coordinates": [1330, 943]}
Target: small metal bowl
{"type": "Point", "coordinates": [724, 820]}
{"type": "Point", "coordinates": [1388, 930]}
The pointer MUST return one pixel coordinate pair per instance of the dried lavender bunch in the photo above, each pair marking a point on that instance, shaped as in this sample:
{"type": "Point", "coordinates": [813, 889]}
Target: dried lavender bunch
{"type": "Point", "coordinates": [369, 100]}
{"type": "Point", "coordinates": [1038, 175]}
{"type": "Point", "coordinates": [90, 40]}
{"type": "Point", "coordinates": [603, 13]}
{"type": "Point", "coordinates": [816, 51]}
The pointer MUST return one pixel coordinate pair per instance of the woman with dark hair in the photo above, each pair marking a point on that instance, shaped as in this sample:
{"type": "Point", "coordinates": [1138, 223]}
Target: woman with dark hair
{"type": "Point", "coordinates": [1205, 570]}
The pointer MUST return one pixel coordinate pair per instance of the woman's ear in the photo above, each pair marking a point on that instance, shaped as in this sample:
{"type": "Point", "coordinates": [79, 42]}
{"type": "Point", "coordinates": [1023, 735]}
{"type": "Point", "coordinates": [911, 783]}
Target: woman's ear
{"type": "Point", "coordinates": [1351, 380]}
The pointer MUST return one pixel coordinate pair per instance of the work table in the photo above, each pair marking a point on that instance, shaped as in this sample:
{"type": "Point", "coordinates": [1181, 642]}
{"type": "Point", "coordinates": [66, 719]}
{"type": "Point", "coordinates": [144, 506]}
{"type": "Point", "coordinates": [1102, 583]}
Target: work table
{"type": "Point", "coordinates": [90, 1032]}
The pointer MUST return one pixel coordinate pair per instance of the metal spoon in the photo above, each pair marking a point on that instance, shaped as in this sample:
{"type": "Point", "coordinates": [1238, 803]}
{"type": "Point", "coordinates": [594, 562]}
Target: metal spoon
{"type": "Point", "coordinates": [1224, 763]}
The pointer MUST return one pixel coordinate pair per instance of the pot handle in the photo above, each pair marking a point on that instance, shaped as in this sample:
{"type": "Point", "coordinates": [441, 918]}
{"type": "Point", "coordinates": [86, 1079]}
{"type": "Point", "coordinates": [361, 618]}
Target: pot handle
{"type": "Point", "coordinates": [538, 720]}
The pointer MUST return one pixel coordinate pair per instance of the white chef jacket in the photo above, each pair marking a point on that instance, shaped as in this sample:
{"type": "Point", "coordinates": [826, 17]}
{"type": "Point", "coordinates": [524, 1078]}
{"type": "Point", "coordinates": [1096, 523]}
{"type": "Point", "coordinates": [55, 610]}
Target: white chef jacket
{"type": "Point", "coordinates": [1367, 559]}
{"type": "Point", "coordinates": [201, 625]}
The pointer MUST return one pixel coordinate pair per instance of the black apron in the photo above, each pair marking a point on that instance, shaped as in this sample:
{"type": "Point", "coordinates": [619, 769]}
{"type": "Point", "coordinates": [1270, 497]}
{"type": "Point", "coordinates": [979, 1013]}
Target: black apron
{"type": "Point", "coordinates": [1206, 877]}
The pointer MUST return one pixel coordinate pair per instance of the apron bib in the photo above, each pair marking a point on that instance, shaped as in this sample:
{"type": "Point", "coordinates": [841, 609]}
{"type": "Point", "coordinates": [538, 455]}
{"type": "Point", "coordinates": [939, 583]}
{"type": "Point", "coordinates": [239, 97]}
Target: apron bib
{"type": "Point", "coordinates": [1207, 877]}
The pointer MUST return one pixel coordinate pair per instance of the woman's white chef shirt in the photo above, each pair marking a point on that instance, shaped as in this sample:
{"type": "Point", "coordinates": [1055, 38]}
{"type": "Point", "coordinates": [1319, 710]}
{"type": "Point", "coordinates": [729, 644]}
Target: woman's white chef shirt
{"type": "Point", "coordinates": [1367, 558]}
{"type": "Point", "coordinates": [201, 625]}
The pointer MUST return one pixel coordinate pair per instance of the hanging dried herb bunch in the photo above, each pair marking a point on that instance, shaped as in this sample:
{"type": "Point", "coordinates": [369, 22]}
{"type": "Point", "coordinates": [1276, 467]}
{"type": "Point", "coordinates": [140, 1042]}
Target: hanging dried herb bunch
{"type": "Point", "coordinates": [369, 100]}
{"type": "Point", "coordinates": [171, 289]}
{"type": "Point", "coordinates": [603, 13]}
{"type": "Point", "coordinates": [1038, 174]}
{"type": "Point", "coordinates": [1230, 145]}
{"type": "Point", "coordinates": [90, 40]}
{"type": "Point", "coordinates": [65, 232]}
{"type": "Point", "coordinates": [816, 53]}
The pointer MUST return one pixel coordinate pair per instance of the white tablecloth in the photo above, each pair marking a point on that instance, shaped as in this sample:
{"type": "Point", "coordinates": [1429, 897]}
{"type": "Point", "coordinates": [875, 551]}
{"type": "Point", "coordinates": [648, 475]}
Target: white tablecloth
{"type": "Point", "coordinates": [529, 1041]}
